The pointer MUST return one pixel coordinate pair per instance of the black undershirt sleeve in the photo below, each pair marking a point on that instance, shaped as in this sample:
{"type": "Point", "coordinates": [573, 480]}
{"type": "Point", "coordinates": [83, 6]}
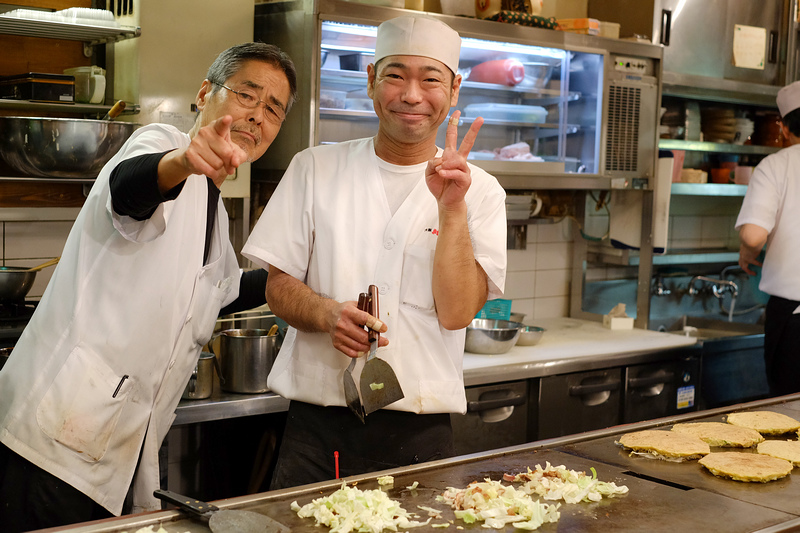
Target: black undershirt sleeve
{"type": "Point", "coordinates": [134, 187]}
{"type": "Point", "coordinates": [134, 193]}
{"type": "Point", "coordinates": [252, 292]}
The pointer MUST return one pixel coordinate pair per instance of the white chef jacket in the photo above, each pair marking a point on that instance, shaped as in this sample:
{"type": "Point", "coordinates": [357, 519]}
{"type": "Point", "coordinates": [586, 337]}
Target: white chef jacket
{"type": "Point", "coordinates": [97, 373]}
{"type": "Point", "coordinates": [329, 225]}
{"type": "Point", "coordinates": [772, 202]}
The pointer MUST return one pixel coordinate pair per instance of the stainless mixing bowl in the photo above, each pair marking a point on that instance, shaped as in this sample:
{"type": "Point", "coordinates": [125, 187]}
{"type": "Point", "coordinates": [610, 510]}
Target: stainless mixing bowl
{"type": "Point", "coordinates": [529, 335]}
{"type": "Point", "coordinates": [488, 336]}
{"type": "Point", "coordinates": [61, 147]}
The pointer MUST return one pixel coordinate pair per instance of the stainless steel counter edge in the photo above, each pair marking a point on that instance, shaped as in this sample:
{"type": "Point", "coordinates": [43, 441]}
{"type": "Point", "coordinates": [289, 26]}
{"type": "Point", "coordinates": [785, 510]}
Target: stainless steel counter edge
{"type": "Point", "coordinates": [222, 405]}
{"type": "Point", "coordinates": [548, 367]}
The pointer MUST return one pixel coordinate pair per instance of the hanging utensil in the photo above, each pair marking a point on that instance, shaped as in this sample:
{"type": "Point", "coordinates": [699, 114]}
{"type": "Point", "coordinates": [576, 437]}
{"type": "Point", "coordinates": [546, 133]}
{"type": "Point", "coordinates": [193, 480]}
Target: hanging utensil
{"type": "Point", "coordinates": [115, 110]}
{"type": "Point", "coordinates": [223, 520]}
{"type": "Point", "coordinates": [351, 395]}
{"type": "Point", "coordinates": [379, 385]}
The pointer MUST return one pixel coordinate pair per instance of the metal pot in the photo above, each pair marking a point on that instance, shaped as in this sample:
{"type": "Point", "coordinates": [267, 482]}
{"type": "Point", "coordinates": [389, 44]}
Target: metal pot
{"type": "Point", "coordinates": [201, 382]}
{"type": "Point", "coordinates": [246, 357]}
{"type": "Point", "coordinates": [15, 283]}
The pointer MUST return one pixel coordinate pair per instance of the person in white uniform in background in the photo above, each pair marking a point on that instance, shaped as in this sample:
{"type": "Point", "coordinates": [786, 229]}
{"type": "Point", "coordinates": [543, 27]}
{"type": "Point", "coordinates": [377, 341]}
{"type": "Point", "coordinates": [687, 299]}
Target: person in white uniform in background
{"type": "Point", "coordinates": [90, 390]}
{"type": "Point", "coordinates": [420, 223]}
{"type": "Point", "coordinates": [770, 216]}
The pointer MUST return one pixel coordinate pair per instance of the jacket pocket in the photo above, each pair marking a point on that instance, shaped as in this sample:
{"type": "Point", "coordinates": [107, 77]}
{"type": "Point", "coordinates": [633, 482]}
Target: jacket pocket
{"type": "Point", "coordinates": [83, 405]}
{"type": "Point", "coordinates": [206, 302]}
{"type": "Point", "coordinates": [416, 285]}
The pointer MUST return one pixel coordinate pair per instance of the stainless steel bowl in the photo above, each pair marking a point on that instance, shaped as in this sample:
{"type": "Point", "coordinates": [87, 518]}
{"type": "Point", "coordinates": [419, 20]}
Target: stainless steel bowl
{"type": "Point", "coordinates": [486, 336]}
{"type": "Point", "coordinates": [529, 335]}
{"type": "Point", "coordinates": [61, 147]}
{"type": "Point", "coordinates": [15, 283]}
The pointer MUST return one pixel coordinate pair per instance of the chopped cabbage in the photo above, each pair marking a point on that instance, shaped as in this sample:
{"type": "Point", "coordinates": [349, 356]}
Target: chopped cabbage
{"type": "Point", "coordinates": [498, 505]}
{"type": "Point", "coordinates": [351, 509]}
{"type": "Point", "coordinates": [385, 480]}
{"type": "Point", "coordinates": [413, 486]}
{"type": "Point", "coordinates": [558, 483]}
{"type": "Point", "coordinates": [376, 386]}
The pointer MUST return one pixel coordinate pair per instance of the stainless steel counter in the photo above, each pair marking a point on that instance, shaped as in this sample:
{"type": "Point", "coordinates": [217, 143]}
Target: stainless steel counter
{"type": "Point", "coordinates": [662, 496]}
{"type": "Point", "coordinates": [223, 405]}
{"type": "Point", "coordinates": [568, 345]}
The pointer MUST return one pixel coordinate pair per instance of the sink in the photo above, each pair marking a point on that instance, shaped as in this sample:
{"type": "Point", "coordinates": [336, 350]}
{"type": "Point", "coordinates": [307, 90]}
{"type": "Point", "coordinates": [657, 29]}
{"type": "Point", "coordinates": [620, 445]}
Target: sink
{"type": "Point", "coordinates": [708, 328]}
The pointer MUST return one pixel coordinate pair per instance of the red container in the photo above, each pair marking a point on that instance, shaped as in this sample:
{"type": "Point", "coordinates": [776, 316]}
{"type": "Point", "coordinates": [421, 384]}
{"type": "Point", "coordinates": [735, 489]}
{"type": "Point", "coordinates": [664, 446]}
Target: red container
{"type": "Point", "coordinates": [500, 71]}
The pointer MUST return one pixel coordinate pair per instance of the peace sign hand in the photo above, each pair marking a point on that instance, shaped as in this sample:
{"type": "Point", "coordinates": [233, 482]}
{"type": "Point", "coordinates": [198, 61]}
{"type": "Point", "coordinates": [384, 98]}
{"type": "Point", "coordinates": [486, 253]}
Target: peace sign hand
{"type": "Point", "coordinates": [448, 177]}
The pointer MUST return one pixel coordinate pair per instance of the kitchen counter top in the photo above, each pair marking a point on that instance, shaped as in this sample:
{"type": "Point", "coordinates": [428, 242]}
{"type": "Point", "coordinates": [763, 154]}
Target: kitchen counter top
{"type": "Point", "coordinates": [571, 345]}
{"type": "Point", "coordinates": [568, 345]}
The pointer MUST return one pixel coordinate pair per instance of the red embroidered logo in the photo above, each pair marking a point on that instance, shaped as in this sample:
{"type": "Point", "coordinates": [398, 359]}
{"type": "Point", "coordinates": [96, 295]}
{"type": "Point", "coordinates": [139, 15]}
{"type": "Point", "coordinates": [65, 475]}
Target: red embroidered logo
{"type": "Point", "coordinates": [433, 231]}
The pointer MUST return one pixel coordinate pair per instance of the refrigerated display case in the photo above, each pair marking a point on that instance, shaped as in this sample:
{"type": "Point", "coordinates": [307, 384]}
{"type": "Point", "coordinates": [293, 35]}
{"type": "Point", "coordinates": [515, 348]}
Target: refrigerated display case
{"type": "Point", "coordinates": [561, 110]}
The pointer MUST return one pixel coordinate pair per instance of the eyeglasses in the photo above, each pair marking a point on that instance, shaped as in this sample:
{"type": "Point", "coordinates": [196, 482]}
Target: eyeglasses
{"type": "Point", "coordinates": [250, 100]}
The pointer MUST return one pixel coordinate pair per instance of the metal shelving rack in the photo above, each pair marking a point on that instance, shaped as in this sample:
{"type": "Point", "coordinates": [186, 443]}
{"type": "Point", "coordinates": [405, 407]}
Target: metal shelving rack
{"type": "Point", "coordinates": [92, 35]}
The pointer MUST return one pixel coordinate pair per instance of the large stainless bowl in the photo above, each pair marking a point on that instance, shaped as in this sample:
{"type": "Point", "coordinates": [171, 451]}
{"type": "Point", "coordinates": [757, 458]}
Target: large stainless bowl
{"type": "Point", "coordinates": [61, 147]}
{"type": "Point", "coordinates": [488, 336]}
{"type": "Point", "coordinates": [15, 283]}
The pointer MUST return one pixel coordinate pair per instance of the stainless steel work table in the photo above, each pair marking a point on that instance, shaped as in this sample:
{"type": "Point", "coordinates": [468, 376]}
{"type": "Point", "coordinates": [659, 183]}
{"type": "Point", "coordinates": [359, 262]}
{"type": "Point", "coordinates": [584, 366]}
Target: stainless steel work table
{"type": "Point", "coordinates": [568, 345]}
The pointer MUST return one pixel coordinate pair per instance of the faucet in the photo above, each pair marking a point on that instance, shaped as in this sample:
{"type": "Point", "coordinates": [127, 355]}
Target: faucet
{"type": "Point", "coordinates": [718, 286]}
{"type": "Point", "coordinates": [659, 289]}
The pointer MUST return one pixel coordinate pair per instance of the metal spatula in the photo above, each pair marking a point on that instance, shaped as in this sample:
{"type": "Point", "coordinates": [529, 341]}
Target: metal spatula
{"type": "Point", "coordinates": [379, 385]}
{"type": "Point", "coordinates": [223, 520]}
{"type": "Point", "coordinates": [350, 390]}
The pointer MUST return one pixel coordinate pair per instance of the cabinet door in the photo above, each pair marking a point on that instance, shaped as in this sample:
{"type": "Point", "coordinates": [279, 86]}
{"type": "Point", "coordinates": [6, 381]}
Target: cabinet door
{"type": "Point", "coordinates": [496, 417]}
{"type": "Point", "coordinates": [574, 403]}
{"type": "Point", "coordinates": [660, 389]}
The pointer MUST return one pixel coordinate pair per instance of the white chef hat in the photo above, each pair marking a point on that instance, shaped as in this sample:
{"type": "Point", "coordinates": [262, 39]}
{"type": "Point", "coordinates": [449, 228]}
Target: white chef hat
{"type": "Point", "coordinates": [416, 35]}
{"type": "Point", "coordinates": [789, 98]}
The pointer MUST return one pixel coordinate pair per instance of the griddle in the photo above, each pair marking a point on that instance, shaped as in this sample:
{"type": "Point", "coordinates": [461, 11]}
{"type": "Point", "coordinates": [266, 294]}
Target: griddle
{"type": "Point", "coordinates": [663, 496]}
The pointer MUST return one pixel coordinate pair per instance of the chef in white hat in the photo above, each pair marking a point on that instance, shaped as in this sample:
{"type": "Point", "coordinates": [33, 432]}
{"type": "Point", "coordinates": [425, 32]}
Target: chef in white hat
{"type": "Point", "coordinates": [770, 216]}
{"type": "Point", "coordinates": [398, 212]}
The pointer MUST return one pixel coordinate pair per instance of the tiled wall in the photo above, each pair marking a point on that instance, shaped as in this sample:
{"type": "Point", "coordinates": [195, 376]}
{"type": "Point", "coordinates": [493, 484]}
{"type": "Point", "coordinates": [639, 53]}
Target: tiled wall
{"type": "Point", "coordinates": [539, 277]}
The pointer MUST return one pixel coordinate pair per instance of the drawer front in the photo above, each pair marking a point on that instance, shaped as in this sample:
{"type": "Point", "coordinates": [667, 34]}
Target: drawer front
{"type": "Point", "coordinates": [496, 417]}
{"type": "Point", "coordinates": [583, 401]}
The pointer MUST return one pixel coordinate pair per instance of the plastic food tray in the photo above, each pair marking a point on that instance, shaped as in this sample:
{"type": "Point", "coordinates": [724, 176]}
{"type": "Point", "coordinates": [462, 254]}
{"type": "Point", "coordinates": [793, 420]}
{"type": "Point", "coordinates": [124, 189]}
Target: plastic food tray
{"type": "Point", "coordinates": [509, 112]}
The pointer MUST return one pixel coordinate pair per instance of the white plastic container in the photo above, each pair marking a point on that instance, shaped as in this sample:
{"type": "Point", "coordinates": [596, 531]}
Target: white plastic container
{"type": "Point", "coordinates": [90, 84]}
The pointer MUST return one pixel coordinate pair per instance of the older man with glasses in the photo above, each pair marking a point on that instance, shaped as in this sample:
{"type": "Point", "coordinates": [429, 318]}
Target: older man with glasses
{"type": "Point", "coordinates": [91, 387]}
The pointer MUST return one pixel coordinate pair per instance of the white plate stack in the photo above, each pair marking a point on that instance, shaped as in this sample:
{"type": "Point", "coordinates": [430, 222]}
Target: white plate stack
{"type": "Point", "coordinates": [744, 129]}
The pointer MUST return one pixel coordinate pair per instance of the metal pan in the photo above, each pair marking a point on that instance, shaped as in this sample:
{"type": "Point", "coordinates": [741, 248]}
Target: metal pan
{"type": "Point", "coordinates": [223, 520]}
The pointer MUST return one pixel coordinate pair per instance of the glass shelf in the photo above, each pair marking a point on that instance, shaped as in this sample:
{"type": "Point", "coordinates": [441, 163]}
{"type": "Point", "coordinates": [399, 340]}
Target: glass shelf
{"type": "Point", "coordinates": [699, 146]}
{"type": "Point", "coordinates": [708, 189]}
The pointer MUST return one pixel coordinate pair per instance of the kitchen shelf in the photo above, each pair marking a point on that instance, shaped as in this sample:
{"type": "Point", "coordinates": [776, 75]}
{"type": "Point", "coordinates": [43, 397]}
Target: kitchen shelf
{"type": "Point", "coordinates": [608, 254]}
{"type": "Point", "coordinates": [708, 189]}
{"type": "Point", "coordinates": [357, 79]}
{"type": "Point", "coordinates": [52, 107]}
{"type": "Point", "coordinates": [722, 148]}
{"type": "Point", "coordinates": [49, 29]}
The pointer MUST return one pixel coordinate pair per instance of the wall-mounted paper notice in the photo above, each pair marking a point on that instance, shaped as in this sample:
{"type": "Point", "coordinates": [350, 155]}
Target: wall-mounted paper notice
{"type": "Point", "coordinates": [749, 46]}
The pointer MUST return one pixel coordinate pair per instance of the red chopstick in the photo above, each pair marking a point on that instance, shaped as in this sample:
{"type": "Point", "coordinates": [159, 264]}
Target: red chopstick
{"type": "Point", "coordinates": [336, 462]}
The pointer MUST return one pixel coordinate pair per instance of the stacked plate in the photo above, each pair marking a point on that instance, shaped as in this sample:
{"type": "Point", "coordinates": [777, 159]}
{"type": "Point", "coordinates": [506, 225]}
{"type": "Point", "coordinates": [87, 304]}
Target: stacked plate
{"type": "Point", "coordinates": [744, 129]}
{"type": "Point", "coordinates": [518, 206]}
